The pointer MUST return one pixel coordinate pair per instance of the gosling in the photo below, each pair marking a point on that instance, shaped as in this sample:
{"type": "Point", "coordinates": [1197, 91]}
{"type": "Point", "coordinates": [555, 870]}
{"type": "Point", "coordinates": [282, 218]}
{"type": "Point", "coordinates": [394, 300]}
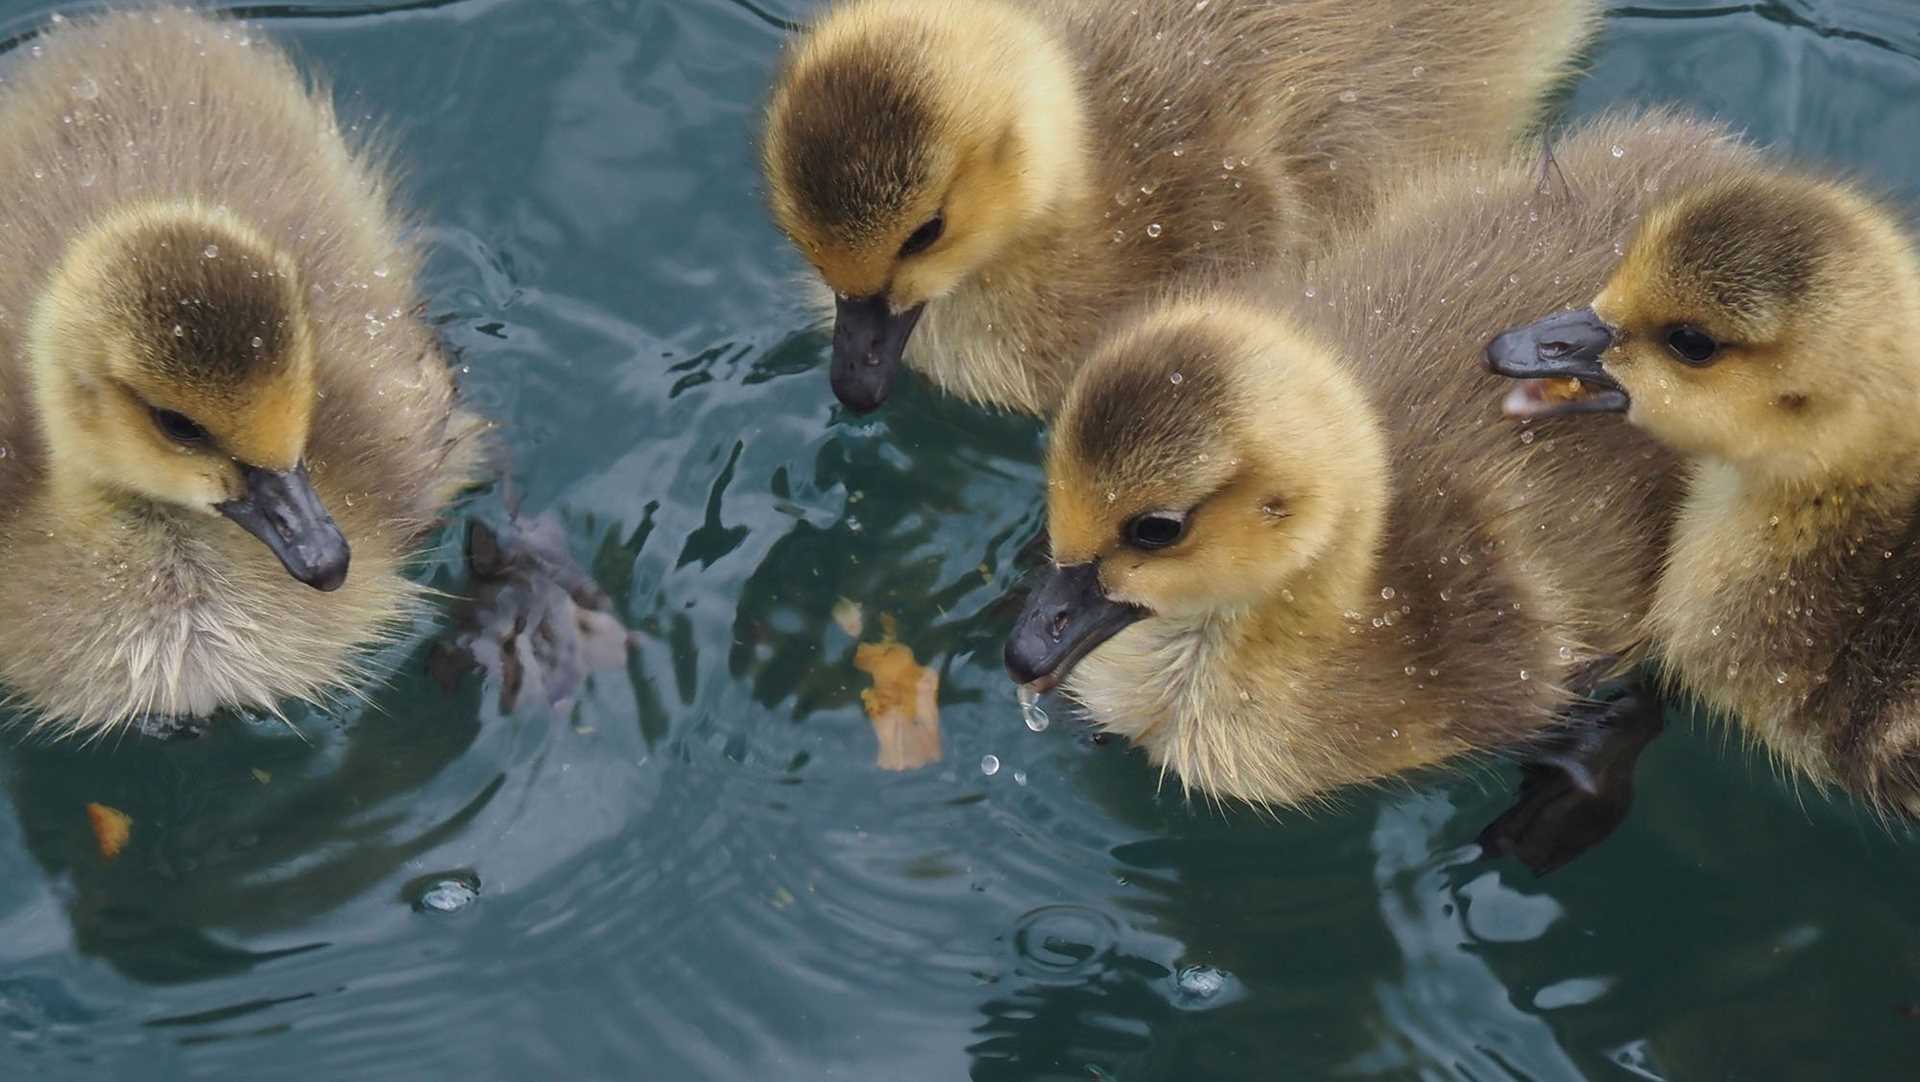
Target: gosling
{"type": "Point", "coordinates": [1296, 547]}
{"type": "Point", "coordinates": [982, 184]}
{"type": "Point", "coordinates": [229, 428]}
{"type": "Point", "coordinates": [1763, 326]}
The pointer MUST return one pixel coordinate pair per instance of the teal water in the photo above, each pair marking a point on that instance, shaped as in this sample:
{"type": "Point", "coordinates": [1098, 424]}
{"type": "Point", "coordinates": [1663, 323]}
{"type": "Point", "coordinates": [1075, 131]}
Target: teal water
{"type": "Point", "coordinates": [700, 874]}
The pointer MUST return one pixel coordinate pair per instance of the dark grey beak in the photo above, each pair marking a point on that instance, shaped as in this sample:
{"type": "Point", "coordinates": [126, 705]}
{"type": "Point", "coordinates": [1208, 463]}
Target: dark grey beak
{"type": "Point", "coordinates": [1065, 619]}
{"type": "Point", "coordinates": [1565, 345]}
{"type": "Point", "coordinates": [868, 338]}
{"type": "Point", "coordinates": [283, 510]}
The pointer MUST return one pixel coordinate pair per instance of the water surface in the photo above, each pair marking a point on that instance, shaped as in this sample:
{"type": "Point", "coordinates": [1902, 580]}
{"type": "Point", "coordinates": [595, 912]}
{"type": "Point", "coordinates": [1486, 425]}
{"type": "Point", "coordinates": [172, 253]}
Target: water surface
{"type": "Point", "coordinates": [701, 874]}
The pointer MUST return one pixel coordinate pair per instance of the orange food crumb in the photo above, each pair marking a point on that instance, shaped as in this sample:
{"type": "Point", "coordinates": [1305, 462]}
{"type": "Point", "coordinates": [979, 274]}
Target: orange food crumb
{"type": "Point", "coordinates": [903, 703]}
{"type": "Point", "coordinates": [111, 829]}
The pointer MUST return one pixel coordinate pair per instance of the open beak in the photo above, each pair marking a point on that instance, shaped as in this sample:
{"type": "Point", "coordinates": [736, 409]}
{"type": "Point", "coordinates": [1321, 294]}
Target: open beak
{"type": "Point", "coordinates": [283, 510]}
{"type": "Point", "coordinates": [868, 338]}
{"type": "Point", "coordinates": [1065, 619]}
{"type": "Point", "coordinates": [1559, 359]}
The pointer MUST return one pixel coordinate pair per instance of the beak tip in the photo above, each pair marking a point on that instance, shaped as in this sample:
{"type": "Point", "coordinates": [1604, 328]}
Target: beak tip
{"type": "Point", "coordinates": [327, 579]}
{"type": "Point", "coordinates": [858, 404]}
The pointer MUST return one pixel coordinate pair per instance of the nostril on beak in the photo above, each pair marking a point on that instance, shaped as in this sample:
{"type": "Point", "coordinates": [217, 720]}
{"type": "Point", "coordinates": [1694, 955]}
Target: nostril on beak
{"type": "Point", "coordinates": [1060, 621]}
{"type": "Point", "coordinates": [1549, 351]}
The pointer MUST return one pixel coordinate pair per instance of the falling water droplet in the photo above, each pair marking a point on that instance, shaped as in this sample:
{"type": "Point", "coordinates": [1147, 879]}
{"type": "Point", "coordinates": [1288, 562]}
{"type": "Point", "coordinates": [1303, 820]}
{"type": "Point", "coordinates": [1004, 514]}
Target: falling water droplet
{"type": "Point", "coordinates": [1030, 710]}
{"type": "Point", "coordinates": [1153, 230]}
{"type": "Point", "coordinates": [1618, 151]}
{"type": "Point", "coordinates": [211, 251]}
{"type": "Point", "coordinates": [989, 765]}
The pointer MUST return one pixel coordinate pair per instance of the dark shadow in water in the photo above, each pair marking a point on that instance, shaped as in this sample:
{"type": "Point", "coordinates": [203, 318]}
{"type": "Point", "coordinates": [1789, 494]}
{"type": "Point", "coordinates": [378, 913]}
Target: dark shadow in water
{"type": "Point", "coordinates": [1237, 928]}
{"type": "Point", "coordinates": [239, 834]}
{"type": "Point", "coordinates": [900, 565]}
{"type": "Point", "coordinates": [1153, 984]}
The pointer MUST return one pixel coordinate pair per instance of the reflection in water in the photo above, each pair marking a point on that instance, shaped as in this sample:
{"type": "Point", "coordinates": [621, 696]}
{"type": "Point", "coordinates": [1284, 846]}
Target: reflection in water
{"type": "Point", "coordinates": [242, 835]}
{"type": "Point", "coordinates": [1448, 1007]}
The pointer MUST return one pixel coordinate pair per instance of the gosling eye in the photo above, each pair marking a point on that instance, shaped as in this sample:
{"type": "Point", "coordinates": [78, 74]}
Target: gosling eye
{"type": "Point", "coordinates": [924, 237]}
{"type": "Point", "coordinates": [178, 427]}
{"type": "Point", "coordinates": [1692, 345]}
{"type": "Point", "coordinates": [1156, 529]}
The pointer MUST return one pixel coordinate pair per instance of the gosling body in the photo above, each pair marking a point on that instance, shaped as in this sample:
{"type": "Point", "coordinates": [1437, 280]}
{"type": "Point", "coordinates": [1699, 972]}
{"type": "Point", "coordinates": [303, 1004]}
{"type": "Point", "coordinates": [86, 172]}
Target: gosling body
{"type": "Point", "coordinates": [1382, 573]}
{"type": "Point", "coordinates": [1078, 155]}
{"type": "Point", "coordinates": [210, 328]}
{"type": "Point", "coordinates": [1763, 325]}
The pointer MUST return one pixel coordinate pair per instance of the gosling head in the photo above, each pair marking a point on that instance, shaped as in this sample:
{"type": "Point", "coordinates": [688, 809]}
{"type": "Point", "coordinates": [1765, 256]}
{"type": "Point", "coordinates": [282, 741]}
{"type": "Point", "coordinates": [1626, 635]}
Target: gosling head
{"type": "Point", "coordinates": [908, 144]}
{"type": "Point", "coordinates": [1206, 460]}
{"type": "Point", "coordinates": [173, 364]}
{"type": "Point", "coordinates": [1767, 322]}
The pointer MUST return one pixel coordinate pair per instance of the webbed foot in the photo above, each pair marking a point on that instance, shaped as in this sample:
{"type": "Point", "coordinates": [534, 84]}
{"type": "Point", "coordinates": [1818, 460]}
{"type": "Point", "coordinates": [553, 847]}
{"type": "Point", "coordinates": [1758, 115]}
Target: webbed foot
{"type": "Point", "coordinates": [1576, 787]}
{"type": "Point", "coordinates": [536, 621]}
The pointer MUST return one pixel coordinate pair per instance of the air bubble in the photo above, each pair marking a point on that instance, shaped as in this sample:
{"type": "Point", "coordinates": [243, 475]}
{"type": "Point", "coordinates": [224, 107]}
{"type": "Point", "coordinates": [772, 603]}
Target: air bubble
{"type": "Point", "coordinates": [1200, 985]}
{"type": "Point", "coordinates": [444, 892]}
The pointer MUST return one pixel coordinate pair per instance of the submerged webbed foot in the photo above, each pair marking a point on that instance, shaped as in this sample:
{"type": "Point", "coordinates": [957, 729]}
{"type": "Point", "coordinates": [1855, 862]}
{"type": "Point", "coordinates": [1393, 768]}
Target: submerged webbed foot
{"type": "Point", "coordinates": [1577, 785]}
{"type": "Point", "coordinates": [535, 622]}
{"type": "Point", "coordinates": [164, 727]}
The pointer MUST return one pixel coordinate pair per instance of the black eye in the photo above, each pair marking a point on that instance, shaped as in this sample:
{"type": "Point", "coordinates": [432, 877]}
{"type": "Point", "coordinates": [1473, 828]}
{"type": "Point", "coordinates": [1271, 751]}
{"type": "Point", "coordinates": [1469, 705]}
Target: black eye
{"type": "Point", "coordinates": [1692, 345]}
{"type": "Point", "coordinates": [923, 237]}
{"type": "Point", "coordinates": [1156, 530]}
{"type": "Point", "coordinates": [179, 427]}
